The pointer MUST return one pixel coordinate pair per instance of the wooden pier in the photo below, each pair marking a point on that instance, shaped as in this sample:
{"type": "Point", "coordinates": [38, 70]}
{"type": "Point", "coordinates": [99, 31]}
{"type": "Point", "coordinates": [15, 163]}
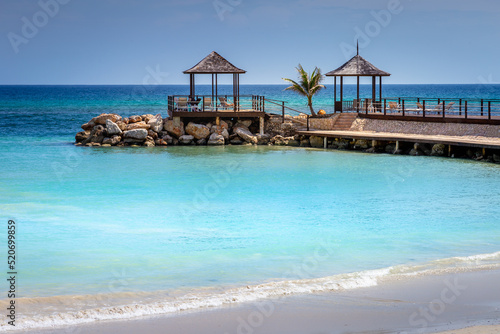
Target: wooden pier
{"type": "Point", "coordinates": [481, 142]}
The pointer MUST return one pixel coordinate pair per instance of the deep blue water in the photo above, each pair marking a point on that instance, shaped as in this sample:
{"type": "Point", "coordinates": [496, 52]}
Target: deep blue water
{"type": "Point", "coordinates": [62, 109]}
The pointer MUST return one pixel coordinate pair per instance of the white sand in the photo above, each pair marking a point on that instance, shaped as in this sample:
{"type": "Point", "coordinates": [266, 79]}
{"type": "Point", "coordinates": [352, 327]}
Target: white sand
{"type": "Point", "coordinates": [427, 304]}
{"type": "Point", "coordinates": [475, 330]}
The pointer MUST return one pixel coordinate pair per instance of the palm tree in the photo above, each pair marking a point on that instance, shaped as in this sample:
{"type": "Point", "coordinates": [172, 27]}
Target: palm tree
{"type": "Point", "coordinates": [307, 86]}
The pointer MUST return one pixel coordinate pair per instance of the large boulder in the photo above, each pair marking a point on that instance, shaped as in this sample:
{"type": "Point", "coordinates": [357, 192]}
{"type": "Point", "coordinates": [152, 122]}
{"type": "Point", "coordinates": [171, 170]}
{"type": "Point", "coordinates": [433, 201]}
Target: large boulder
{"type": "Point", "coordinates": [420, 149]}
{"type": "Point", "coordinates": [138, 125]}
{"type": "Point", "coordinates": [245, 134]}
{"type": "Point", "coordinates": [224, 125]}
{"type": "Point", "coordinates": [137, 134]}
{"type": "Point", "coordinates": [316, 141]}
{"type": "Point", "coordinates": [161, 142]}
{"type": "Point", "coordinates": [215, 139]}
{"type": "Point", "coordinates": [88, 126]}
{"type": "Point", "coordinates": [246, 123]}
{"type": "Point", "coordinates": [220, 130]}
{"type": "Point", "coordinates": [101, 119]}
{"type": "Point", "coordinates": [279, 140]}
{"type": "Point", "coordinates": [149, 142]}
{"type": "Point", "coordinates": [112, 141]}
{"type": "Point", "coordinates": [438, 150]}
{"type": "Point", "coordinates": [343, 144]}
{"type": "Point", "coordinates": [390, 148]}
{"type": "Point", "coordinates": [134, 119]}
{"type": "Point", "coordinates": [168, 139]}
{"type": "Point", "coordinates": [146, 118]}
{"type": "Point", "coordinates": [263, 139]}
{"type": "Point", "coordinates": [112, 128]}
{"type": "Point", "coordinates": [122, 125]}
{"type": "Point", "coordinates": [96, 136]}
{"type": "Point", "coordinates": [361, 144]}
{"type": "Point", "coordinates": [153, 134]}
{"type": "Point", "coordinates": [172, 129]}
{"type": "Point", "coordinates": [198, 131]}
{"type": "Point", "coordinates": [234, 139]}
{"type": "Point", "coordinates": [224, 133]}
{"type": "Point", "coordinates": [115, 140]}
{"type": "Point", "coordinates": [186, 139]}
{"type": "Point", "coordinates": [132, 142]}
{"type": "Point", "coordinates": [81, 136]}
{"type": "Point", "coordinates": [305, 143]}
{"type": "Point", "coordinates": [155, 122]}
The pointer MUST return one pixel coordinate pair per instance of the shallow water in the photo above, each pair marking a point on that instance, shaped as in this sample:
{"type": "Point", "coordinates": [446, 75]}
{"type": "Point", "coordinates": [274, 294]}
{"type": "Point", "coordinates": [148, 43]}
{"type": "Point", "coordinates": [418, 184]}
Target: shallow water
{"type": "Point", "coordinates": [202, 216]}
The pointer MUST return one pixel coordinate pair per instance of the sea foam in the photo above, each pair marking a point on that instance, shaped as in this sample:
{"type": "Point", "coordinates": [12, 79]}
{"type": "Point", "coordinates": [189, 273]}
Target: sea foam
{"type": "Point", "coordinates": [48, 315]}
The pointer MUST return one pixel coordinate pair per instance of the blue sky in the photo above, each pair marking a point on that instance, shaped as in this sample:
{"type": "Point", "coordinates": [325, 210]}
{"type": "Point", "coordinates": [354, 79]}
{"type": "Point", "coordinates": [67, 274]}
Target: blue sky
{"type": "Point", "coordinates": [153, 41]}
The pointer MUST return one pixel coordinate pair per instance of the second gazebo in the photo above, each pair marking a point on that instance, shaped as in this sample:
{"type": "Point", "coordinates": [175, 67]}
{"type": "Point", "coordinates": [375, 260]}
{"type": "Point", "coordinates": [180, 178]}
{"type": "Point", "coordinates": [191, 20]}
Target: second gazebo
{"type": "Point", "coordinates": [357, 67]}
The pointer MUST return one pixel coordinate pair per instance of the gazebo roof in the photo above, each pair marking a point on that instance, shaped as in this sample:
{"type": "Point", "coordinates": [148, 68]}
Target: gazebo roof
{"type": "Point", "coordinates": [214, 63]}
{"type": "Point", "coordinates": [358, 67]}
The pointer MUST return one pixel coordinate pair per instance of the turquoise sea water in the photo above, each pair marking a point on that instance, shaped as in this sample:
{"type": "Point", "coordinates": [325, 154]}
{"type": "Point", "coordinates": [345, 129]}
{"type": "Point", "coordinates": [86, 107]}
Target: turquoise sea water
{"type": "Point", "coordinates": [174, 228]}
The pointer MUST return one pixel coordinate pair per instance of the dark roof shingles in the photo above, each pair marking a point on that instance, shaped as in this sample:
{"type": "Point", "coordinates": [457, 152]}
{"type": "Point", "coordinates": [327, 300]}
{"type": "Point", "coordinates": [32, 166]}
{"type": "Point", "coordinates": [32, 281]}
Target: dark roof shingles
{"type": "Point", "coordinates": [357, 66]}
{"type": "Point", "coordinates": [214, 63]}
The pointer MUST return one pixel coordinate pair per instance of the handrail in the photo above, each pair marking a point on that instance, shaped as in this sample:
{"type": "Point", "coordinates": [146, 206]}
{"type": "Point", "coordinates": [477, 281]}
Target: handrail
{"type": "Point", "coordinates": [445, 108]}
{"type": "Point", "coordinates": [427, 108]}
{"type": "Point", "coordinates": [268, 99]}
{"type": "Point", "coordinates": [283, 108]}
{"type": "Point", "coordinates": [438, 98]}
{"type": "Point", "coordinates": [271, 101]}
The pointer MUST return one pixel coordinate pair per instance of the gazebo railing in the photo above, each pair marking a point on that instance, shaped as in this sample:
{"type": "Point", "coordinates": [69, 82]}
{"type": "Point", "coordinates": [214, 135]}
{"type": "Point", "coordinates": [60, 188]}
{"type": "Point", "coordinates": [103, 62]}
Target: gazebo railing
{"type": "Point", "coordinates": [209, 103]}
{"type": "Point", "coordinates": [442, 107]}
{"type": "Point", "coordinates": [427, 107]}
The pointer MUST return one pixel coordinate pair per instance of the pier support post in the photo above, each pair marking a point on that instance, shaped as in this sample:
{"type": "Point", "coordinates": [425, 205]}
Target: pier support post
{"type": "Point", "coordinates": [397, 147]}
{"type": "Point", "coordinates": [325, 142]}
{"type": "Point", "coordinates": [261, 125]}
{"type": "Point", "coordinates": [449, 150]}
{"type": "Point", "coordinates": [217, 121]}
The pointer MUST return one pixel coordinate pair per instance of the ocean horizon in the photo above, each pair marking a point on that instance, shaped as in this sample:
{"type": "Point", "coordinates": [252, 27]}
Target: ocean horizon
{"type": "Point", "coordinates": [121, 232]}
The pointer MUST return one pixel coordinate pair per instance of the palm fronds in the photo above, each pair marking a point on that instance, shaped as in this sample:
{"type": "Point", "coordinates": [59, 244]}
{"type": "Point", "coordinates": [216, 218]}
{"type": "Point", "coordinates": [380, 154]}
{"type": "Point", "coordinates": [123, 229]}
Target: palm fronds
{"type": "Point", "coordinates": [307, 85]}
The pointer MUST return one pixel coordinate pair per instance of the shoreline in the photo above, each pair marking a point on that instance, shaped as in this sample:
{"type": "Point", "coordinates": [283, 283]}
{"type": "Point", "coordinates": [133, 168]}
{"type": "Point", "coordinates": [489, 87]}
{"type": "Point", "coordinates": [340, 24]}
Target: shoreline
{"type": "Point", "coordinates": [293, 294]}
{"type": "Point", "coordinates": [416, 304]}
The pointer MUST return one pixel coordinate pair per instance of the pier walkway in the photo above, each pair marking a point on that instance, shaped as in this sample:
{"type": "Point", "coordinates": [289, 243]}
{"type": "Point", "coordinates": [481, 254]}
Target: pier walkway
{"type": "Point", "coordinates": [482, 142]}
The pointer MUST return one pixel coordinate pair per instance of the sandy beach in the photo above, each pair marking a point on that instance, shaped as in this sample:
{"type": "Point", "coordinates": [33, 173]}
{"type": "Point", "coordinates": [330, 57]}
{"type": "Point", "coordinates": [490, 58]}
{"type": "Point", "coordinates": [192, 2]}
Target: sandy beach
{"type": "Point", "coordinates": [475, 330]}
{"type": "Point", "coordinates": [466, 302]}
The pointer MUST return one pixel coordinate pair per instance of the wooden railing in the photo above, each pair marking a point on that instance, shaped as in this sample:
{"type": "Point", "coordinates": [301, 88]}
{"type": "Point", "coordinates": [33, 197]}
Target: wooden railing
{"type": "Point", "coordinates": [443, 107]}
{"type": "Point", "coordinates": [480, 110]}
{"type": "Point", "coordinates": [204, 103]}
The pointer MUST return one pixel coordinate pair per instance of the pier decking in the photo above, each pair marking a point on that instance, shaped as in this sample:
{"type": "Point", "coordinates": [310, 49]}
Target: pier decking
{"type": "Point", "coordinates": [482, 142]}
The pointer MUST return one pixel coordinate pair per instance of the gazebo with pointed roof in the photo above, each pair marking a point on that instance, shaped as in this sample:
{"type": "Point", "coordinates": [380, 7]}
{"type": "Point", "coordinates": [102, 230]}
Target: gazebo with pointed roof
{"type": "Point", "coordinates": [215, 64]}
{"type": "Point", "coordinates": [357, 67]}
